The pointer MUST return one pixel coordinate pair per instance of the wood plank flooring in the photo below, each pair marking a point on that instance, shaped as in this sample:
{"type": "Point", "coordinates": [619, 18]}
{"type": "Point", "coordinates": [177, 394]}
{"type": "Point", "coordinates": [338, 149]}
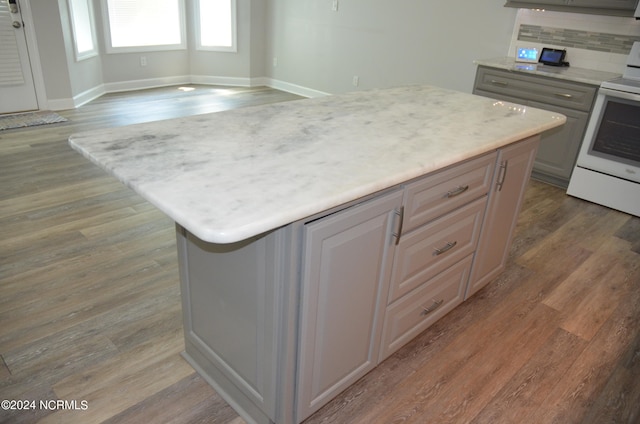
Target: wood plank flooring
{"type": "Point", "coordinates": [90, 302]}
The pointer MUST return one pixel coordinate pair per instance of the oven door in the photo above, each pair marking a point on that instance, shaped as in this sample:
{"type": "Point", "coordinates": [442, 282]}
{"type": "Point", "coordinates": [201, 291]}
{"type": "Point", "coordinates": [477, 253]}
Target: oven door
{"type": "Point", "coordinates": [611, 143]}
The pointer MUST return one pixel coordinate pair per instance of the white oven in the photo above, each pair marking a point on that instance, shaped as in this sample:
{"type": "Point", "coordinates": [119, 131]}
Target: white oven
{"type": "Point", "coordinates": [608, 166]}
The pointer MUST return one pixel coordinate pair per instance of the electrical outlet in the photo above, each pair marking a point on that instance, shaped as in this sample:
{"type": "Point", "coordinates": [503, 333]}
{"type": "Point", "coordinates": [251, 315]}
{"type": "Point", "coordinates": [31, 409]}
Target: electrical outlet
{"type": "Point", "coordinates": [334, 5]}
{"type": "Point", "coordinates": [143, 60]}
{"type": "Point", "coordinates": [355, 81]}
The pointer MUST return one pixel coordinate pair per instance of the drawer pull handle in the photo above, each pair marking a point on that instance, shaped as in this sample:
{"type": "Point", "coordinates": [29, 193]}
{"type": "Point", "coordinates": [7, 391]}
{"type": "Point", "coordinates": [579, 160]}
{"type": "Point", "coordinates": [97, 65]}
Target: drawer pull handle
{"type": "Point", "coordinates": [503, 174]}
{"type": "Point", "coordinates": [445, 248]}
{"type": "Point", "coordinates": [397, 235]}
{"type": "Point", "coordinates": [502, 83]}
{"type": "Point", "coordinates": [565, 95]}
{"type": "Point", "coordinates": [436, 305]}
{"type": "Point", "coordinates": [457, 191]}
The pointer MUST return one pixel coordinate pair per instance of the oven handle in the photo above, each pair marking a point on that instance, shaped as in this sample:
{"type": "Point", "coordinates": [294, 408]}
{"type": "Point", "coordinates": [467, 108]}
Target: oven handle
{"type": "Point", "coordinates": [619, 94]}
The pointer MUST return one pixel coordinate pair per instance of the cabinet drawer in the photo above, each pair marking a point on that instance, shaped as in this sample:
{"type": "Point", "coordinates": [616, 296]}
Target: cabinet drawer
{"type": "Point", "coordinates": [435, 195]}
{"type": "Point", "coordinates": [430, 249]}
{"type": "Point", "coordinates": [542, 89]}
{"type": "Point", "coordinates": [412, 314]}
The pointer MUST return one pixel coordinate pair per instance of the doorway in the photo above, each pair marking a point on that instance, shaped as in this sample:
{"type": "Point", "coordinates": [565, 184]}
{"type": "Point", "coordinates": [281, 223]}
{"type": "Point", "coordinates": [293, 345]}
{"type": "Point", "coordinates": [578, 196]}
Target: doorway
{"type": "Point", "coordinates": [17, 87]}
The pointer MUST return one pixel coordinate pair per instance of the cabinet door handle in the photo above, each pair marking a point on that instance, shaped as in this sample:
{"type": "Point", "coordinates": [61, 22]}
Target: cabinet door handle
{"type": "Point", "coordinates": [565, 95]}
{"type": "Point", "coordinates": [445, 248]}
{"type": "Point", "coordinates": [436, 305]}
{"type": "Point", "coordinates": [400, 225]}
{"type": "Point", "coordinates": [503, 174]}
{"type": "Point", "coordinates": [457, 191]}
{"type": "Point", "coordinates": [502, 83]}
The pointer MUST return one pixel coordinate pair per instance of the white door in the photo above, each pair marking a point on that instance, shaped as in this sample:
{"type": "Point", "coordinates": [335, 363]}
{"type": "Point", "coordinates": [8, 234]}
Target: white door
{"type": "Point", "coordinates": [17, 89]}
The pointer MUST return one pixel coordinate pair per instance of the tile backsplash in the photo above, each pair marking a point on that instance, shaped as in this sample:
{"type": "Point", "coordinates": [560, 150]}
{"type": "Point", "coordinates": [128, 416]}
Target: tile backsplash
{"type": "Point", "coordinates": [595, 42]}
{"type": "Point", "coordinates": [587, 40]}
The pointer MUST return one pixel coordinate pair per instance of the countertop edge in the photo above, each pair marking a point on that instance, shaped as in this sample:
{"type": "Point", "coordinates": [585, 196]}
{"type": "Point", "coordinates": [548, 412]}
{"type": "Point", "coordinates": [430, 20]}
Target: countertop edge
{"type": "Point", "coordinates": [581, 75]}
{"type": "Point", "coordinates": [129, 153]}
{"type": "Point", "coordinates": [294, 215]}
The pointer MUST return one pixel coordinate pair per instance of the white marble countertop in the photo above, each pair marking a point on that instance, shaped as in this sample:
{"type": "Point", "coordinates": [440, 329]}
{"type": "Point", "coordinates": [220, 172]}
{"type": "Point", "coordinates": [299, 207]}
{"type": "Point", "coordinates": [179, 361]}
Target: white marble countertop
{"type": "Point", "coordinates": [570, 73]}
{"type": "Point", "coordinates": [230, 175]}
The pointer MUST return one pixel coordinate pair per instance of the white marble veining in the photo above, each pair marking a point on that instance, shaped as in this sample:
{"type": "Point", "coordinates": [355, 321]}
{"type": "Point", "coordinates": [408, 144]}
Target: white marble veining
{"type": "Point", "coordinates": [571, 73]}
{"type": "Point", "coordinates": [231, 175]}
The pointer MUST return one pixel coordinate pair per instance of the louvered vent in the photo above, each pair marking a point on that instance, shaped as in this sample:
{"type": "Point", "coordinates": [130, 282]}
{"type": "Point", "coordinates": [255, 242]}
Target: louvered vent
{"type": "Point", "coordinates": [10, 70]}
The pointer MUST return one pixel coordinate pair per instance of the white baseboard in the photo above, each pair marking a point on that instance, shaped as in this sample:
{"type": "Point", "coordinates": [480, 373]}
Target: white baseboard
{"type": "Point", "coordinates": [115, 87]}
{"type": "Point", "coordinates": [91, 94]}
{"type": "Point", "coordinates": [257, 82]}
{"type": "Point", "coordinates": [228, 81]}
{"type": "Point", "coordinates": [294, 89]}
{"type": "Point", "coordinates": [58, 104]}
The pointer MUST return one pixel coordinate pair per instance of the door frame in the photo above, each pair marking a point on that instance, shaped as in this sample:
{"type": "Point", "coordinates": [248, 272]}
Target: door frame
{"type": "Point", "coordinates": [34, 54]}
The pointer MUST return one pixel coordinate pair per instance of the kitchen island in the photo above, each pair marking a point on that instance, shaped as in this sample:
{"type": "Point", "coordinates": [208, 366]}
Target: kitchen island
{"type": "Point", "coordinates": [317, 237]}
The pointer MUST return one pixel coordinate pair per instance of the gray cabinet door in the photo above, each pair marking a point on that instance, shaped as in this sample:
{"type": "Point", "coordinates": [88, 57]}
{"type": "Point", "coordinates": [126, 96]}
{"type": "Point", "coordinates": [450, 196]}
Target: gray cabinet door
{"type": "Point", "coordinates": [345, 276]}
{"type": "Point", "coordinates": [559, 147]}
{"type": "Point", "coordinates": [511, 177]}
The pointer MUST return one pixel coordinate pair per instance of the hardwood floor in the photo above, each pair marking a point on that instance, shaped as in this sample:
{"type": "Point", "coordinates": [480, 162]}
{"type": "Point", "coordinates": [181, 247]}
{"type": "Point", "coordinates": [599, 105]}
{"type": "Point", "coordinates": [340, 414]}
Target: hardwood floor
{"type": "Point", "coordinates": [90, 302]}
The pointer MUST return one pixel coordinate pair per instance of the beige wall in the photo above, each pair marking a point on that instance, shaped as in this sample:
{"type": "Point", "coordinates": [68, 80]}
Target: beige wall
{"type": "Point", "coordinates": [384, 43]}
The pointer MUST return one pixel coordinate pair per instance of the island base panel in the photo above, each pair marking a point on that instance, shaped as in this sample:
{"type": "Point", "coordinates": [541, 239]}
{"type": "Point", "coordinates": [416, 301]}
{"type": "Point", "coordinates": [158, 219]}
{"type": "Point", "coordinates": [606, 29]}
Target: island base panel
{"type": "Point", "coordinates": [223, 386]}
{"type": "Point", "coordinates": [233, 303]}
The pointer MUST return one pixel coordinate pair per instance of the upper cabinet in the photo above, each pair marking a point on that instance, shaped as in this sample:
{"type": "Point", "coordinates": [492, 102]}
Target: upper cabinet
{"type": "Point", "coordinates": [597, 7]}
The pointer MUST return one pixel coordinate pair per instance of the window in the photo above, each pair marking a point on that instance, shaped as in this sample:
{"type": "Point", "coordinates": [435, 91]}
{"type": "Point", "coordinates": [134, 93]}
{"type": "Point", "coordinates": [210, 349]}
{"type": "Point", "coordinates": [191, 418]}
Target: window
{"type": "Point", "coordinates": [144, 25]}
{"type": "Point", "coordinates": [216, 25]}
{"type": "Point", "coordinates": [82, 28]}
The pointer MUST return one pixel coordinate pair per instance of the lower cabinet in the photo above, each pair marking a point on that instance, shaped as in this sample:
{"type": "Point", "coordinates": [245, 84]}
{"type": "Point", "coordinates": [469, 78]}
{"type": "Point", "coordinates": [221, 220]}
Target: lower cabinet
{"type": "Point", "coordinates": [511, 178]}
{"type": "Point", "coordinates": [559, 147]}
{"type": "Point", "coordinates": [368, 288]}
{"type": "Point", "coordinates": [282, 323]}
{"type": "Point", "coordinates": [346, 266]}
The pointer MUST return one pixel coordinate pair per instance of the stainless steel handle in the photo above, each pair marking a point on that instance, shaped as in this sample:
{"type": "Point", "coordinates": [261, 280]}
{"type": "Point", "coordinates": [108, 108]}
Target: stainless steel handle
{"type": "Point", "coordinates": [16, 24]}
{"type": "Point", "coordinates": [503, 176]}
{"type": "Point", "coordinates": [436, 305]}
{"type": "Point", "coordinates": [565, 95]}
{"type": "Point", "coordinates": [445, 248]}
{"type": "Point", "coordinates": [399, 233]}
{"type": "Point", "coordinates": [457, 191]}
{"type": "Point", "coordinates": [502, 83]}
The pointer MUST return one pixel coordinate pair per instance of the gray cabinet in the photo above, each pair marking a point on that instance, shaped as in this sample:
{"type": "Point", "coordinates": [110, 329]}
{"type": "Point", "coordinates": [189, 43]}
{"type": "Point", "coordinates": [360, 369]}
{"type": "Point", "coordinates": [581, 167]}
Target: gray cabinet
{"type": "Point", "coordinates": [377, 274]}
{"type": "Point", "coordinates": [599, 7]}
{"type": "Point", "coordinates": [605, 4]}
{"type": "Point", "coordinates": [602, 4]}
{"type": "Point", "coordinates": [281, 323]}
{"type": "Point", "coordinates": [559, 147]}
{"type": "Point", "coordinates": [346, 266]}
{"type": "Point", "coordinates": [511, 178]}
{"type": "Point", "coordinates": [443, 214]}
